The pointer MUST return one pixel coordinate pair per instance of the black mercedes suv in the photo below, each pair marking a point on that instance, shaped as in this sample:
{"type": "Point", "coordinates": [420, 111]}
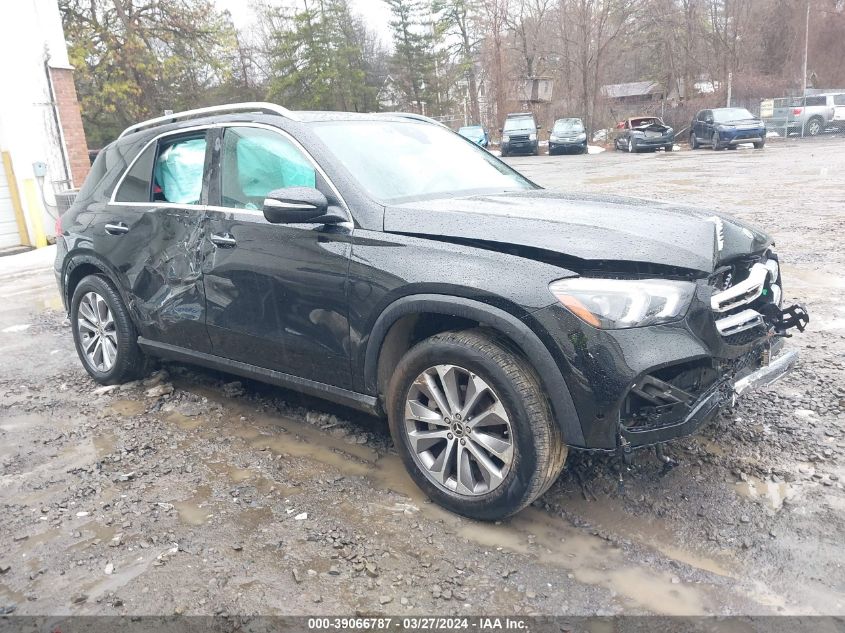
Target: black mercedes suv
{"type": "Point", "coordinates": [385, 263]}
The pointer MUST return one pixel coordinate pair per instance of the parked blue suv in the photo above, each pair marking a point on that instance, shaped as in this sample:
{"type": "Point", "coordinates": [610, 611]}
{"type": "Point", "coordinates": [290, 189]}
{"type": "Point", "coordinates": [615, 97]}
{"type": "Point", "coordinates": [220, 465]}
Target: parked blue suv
{"type": "Point", "coordinates": [722, 128]}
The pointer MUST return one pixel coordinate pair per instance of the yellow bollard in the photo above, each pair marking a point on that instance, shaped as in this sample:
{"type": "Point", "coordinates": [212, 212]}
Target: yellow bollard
{"type": "Point", "coordinates": [16, 199]}
{"type": "Point", "coordinates": [35, 213]}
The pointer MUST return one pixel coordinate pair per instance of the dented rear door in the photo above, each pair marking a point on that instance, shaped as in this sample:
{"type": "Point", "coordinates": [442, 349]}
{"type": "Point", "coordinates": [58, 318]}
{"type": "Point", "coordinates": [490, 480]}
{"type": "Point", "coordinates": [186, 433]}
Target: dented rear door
{"type": "Point", "coordinates": [151, 232]}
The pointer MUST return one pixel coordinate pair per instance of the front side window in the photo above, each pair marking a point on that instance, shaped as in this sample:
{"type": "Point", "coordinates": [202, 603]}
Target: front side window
{"type": "Point", "coordinates": [400, 161]}
{"type": "Point", "coordinates": [255, 161]}
{"type": "Point", "coordinates": [178, 171]}
{"type": "Point", "coordinates": [839, 99]}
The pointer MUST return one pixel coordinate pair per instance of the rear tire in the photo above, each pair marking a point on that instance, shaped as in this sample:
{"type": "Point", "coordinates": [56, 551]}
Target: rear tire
{"type": "Point", "coordinates": [668, 148]}
{"type": "Point", "coordinates": [531, 452]}
{"type": "Point", "coordinates": [759, 144]}
{"type": "Point", "coordinates": [814, 127]}
{"type": "Point", "coordinates": [104, 334]}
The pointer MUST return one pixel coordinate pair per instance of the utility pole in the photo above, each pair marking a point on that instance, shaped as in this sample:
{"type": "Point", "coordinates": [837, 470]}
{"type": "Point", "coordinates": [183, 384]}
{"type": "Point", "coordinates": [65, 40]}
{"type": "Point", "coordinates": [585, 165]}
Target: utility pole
{"type": "Point", "coordinates": [806, 45]}
{"type": "Point", "coordinates": [730, 86]}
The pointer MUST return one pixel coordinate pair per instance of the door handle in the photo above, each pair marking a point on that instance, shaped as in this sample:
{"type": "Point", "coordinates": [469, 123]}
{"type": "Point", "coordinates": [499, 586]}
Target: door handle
{"type": "Point", "coordinates": [117, 228]}
{"type": "Point", "coordinates": [224, 241]}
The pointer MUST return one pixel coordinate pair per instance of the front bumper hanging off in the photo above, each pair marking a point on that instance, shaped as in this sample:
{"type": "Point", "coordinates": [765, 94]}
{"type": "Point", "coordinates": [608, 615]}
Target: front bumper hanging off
{"type": "Point", "coordinates": [677, 413]}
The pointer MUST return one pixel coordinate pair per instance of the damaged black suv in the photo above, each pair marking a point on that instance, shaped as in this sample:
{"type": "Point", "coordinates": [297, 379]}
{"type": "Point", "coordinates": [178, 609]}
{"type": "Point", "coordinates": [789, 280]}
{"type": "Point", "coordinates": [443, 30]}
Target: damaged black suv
{"type": "Point", "coordinates": [385, 263]}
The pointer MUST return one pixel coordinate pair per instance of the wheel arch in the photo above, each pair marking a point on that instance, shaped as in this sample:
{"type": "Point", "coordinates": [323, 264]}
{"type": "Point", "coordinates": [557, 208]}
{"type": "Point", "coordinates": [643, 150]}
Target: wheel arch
{"type": "Point", "coordinates": [391, 332]}
{"type": "Point", "coordinates": [81, 265]}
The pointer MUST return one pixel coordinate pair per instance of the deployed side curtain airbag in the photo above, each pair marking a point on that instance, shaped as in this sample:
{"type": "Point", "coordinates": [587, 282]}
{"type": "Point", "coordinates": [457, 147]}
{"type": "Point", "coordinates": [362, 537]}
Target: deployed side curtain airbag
{"type": "Point", "coordinates": [179, 171]}
{"type": "Point", "coordinates": [268, 162]}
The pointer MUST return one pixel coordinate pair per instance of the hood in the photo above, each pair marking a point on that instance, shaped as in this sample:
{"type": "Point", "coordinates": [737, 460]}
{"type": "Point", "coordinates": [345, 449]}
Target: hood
{"type": "Point", "coordinates": [592, 228]}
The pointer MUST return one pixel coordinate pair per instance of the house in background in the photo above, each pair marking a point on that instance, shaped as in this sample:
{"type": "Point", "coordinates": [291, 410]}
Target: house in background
{"type": "Point", "coordinates": [632, 93]}
{"type": "Point", "coordinates": [41, 137]}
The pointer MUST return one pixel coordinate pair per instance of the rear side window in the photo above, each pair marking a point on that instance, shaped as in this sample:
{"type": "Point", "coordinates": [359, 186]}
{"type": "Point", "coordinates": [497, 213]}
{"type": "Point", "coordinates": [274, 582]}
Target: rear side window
{"type": "Point", "coordinates": [178, 171]}
{"type": "Point", "coordinates": [256, 161]}
{"type": "Point", "coordinates": [137, 185]}
{"type": "Point", "coordinates": [839, 100]}
{"type": "Point", "coordinates": [816, 101]}
{"type": "Point", "coordinates": [170, 170]}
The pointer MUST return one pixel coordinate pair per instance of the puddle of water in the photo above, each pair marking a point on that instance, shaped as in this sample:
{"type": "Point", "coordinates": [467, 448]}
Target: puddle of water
{"type": "Point", "coordinates": [99, 533]}
{"type": "Point", "coordinates": [184, 422]}
{"type": "Point", "coordinates": [588, 558]}
{"type": "Point", "coordinates": [126, 408]}
{"type": "Point", "coordinates": [237, 475]}
{"type": "Point", "coordinates": [25, 548]}
{"type": "Point", "coordinates": [771, 494]}
{"type": "Point", "coordinates": [714, 448]}
{"type": "Point", "coordinates": [104, 444]}
{"type": "Point", "coordinates": [9, 597]}
{"type": "Point", "coordinates": [195, 511]}
{"type": "Point", "coordinates": [608, 515]}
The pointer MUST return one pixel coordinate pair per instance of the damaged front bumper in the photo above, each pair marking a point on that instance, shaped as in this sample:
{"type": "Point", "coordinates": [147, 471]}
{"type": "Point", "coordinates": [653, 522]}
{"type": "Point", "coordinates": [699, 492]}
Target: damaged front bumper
{"type": "Point", "coordinates": [643, 386]}
{"type": "Point", "coordinates": [685, 416]}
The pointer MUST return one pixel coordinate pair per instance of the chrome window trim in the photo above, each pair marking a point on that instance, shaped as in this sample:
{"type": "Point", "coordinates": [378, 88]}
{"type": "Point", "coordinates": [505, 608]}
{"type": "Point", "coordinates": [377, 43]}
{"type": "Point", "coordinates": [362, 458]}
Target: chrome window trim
{"type": "Point", "coordinates": [210, 126]}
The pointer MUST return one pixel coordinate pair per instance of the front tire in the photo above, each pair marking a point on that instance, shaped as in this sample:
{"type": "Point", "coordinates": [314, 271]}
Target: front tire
{"type": "Point", "coordinates": [715, 141]}
{"type": "Point", "coordinates": [473, 426]}
{"type": "Point", "coordinates": [632, 145]}
{"type": "Point", "coordinates": [103, 332]}
{"type": "Point", "coordinates": [759, 144]}
{"type": "Point", "coordinates": [693, 141]}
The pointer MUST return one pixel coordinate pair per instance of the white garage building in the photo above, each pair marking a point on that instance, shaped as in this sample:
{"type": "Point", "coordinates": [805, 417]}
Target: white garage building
{"type": "Point", "coordinates": [41, 138]}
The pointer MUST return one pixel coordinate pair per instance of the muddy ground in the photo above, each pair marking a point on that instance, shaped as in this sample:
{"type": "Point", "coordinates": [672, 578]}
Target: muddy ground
{"type": "Point", "coordinates": [194, 493]}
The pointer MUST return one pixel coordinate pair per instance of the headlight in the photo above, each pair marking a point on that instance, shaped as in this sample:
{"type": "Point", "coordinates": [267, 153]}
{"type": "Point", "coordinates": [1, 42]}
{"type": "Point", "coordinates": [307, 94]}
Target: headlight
{"type": "Point", "coordinates": [623, 303]}
{"type": "Point", "coordinates": [532, 137]}
{"type": "Point", "coordinates": [581, 137]}
{"type": "Point", "coordinates": [505, 138]}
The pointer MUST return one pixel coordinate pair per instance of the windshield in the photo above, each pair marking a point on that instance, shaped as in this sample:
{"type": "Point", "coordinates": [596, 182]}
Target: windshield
{"type": "Point", "coordinates": [519, 123]}
{"type": "Point", "coordinates": [731, 114]}
{"type": "Point", "coordinates": [472, 130]}
{"type": "Point", "coordinates": [569, 125]}
{"type": "Point", "coordinates": [400, 161]}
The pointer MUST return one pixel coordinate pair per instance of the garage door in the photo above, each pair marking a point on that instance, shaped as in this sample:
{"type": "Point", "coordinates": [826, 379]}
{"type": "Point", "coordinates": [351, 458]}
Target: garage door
{"type": "Point", "coordinates": [9, 235]}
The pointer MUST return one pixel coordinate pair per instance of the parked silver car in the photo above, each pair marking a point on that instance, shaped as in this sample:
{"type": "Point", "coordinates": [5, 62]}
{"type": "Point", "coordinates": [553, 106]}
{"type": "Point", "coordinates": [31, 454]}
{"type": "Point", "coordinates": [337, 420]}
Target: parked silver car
{"type": "Point", "coordinates": [810, 115]}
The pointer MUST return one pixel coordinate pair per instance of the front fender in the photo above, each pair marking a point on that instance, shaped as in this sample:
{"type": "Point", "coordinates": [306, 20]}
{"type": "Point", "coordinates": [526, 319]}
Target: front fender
{"type": "Point", "coordinates": [507, 324]}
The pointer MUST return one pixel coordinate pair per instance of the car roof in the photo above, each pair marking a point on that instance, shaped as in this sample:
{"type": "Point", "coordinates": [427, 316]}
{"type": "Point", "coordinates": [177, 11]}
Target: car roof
{"type": "Point", "coordinates": [231, 112]}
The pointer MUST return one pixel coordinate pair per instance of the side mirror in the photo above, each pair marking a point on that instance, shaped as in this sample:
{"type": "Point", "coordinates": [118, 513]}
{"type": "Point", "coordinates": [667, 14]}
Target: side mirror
{"type": "Point", "coordinates": [501, 130]}
{"type": "Point", "coordinates": [539, 127]}
{"type": "Point", "coordinates": [709, 120]}
{"type": "Point", "coordinates": [299, 205]}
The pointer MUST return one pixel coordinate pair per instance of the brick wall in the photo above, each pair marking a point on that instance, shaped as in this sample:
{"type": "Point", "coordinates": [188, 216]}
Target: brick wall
{"type": "Point", "coordinates": [71, 121]}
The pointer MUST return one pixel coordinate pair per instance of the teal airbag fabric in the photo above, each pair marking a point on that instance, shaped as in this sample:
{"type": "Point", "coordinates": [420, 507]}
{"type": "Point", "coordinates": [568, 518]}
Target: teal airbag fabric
{"type": "Point", "coordinates": [179, 171]}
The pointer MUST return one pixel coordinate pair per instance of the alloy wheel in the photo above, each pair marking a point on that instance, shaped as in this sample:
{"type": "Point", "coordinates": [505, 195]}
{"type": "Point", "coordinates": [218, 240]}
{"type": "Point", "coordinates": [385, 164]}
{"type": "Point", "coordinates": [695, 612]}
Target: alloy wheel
{"type": "Point", "coordinates": [458, 431]}
{"type": "Point", "coordinates": [814, 127]}
{"type": "Point", "coordinates": [97, 332]}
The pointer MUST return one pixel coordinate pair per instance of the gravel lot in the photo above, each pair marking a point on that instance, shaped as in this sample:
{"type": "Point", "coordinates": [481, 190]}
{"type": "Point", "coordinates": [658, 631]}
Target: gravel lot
{"type": "Point", "coordinates": [191, 493]}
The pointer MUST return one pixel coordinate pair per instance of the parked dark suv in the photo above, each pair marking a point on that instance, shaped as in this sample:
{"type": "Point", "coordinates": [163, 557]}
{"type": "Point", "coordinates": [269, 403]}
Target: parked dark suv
{"type": "Point", "coordinates": [384, 263]}
{"type": "Point", "coordinates": [519, 135]}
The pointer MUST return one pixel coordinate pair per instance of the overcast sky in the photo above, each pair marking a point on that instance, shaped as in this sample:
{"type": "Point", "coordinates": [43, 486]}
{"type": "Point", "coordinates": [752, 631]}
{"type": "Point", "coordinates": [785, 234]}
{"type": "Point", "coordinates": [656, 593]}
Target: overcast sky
{"type": "Point", "coordinates": [375, 13]}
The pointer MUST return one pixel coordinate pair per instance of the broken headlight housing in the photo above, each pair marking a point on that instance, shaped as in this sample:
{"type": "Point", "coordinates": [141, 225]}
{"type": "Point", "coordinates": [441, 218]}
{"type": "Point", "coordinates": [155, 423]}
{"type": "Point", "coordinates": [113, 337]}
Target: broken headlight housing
{"type": "Point", "coordinates": [624, 303]}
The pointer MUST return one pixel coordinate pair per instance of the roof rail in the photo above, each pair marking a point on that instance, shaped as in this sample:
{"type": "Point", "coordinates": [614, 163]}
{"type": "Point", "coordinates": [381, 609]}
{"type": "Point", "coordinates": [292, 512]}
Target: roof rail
{"type": "Point", "coordinates": [415, 117]}
{"type": "Point", "coordinates": [251, 106]}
